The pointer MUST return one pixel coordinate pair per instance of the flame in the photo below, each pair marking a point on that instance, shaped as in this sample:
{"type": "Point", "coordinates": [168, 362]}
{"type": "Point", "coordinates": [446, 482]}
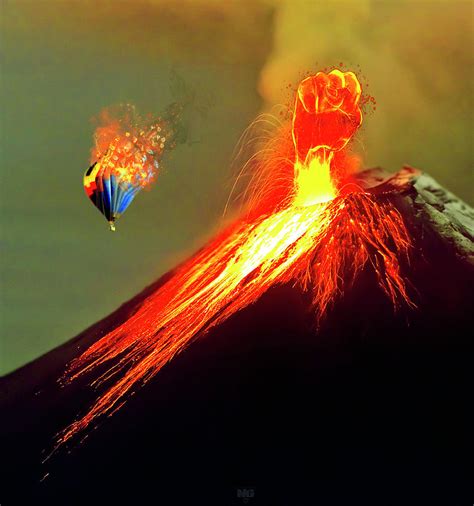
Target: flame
{"type": "Point", "coordinates": [326, 116]}
{"type": "Point", "coordinates": [320, 240]}
{"type": "Point", "coordinates": [316, 174]}
{"type": "Point", "coordinates": [129, 146]}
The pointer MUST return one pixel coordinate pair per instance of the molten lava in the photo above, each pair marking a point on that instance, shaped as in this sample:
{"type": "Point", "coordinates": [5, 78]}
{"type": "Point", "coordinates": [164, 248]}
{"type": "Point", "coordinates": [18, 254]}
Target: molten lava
{"type": "Point", "coordinates": [320, 240]}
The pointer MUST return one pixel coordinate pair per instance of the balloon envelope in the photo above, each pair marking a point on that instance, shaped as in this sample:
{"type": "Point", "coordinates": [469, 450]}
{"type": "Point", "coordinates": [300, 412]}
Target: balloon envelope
{"type": "Point", "coordinates": [108, 193]}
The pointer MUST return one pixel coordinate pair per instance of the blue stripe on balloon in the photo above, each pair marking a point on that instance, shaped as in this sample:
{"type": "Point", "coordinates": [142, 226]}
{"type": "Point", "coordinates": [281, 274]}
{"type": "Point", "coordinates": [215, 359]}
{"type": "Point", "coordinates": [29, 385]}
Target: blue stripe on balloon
{"type": "Point", "coordinates": [112, 192]}
{"type": "Point", "coordinates": [121, 189]}
{"type": "Point", "coordinates": [128, 197]}
{"type": "Point", "coordinates": [107, 198]}
{"type": "Point", "coordinates": [116, 191]}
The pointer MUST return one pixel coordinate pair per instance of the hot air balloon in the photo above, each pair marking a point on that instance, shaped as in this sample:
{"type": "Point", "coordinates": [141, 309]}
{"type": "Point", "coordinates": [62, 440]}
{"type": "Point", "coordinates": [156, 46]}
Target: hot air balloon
{"type": "Point", "coordinates": [109, 192]}
{"type": "Point", "coordinates": [125, 160]}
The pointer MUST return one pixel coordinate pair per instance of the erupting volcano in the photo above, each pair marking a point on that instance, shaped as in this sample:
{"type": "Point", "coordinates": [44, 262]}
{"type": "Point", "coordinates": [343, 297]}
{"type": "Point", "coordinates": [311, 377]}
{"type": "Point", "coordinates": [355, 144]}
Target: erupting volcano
{"type": "Point", "coordinates": [323, 338]}
{"type": "Point", "coordinates": [320, 237]}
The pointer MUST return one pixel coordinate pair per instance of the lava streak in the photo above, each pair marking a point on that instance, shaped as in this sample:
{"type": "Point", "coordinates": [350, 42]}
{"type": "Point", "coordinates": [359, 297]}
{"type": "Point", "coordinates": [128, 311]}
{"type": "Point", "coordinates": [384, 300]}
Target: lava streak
{"type": "Point", "coordinates": [320, 240]}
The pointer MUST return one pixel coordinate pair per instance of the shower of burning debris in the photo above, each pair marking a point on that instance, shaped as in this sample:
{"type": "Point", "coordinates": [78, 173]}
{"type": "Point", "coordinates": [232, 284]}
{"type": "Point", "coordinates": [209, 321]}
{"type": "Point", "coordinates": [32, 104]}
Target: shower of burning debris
{"type": "Point", "coordinates": [319, 231]}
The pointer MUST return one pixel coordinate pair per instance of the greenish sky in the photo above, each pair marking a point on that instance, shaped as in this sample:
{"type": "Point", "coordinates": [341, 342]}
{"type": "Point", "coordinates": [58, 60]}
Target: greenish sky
{"type": "Point", "coordinates": [63, 61]}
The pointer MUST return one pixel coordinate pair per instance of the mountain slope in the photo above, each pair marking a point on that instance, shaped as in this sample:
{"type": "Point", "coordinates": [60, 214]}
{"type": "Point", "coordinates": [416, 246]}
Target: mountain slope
{"type": "Point", "coordinates": [372, 407]}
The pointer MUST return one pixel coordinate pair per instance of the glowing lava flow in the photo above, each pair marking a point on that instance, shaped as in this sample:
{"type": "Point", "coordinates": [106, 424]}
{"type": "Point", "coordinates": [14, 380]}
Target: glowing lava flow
{"type": "Point", "coordinates": [320, 240]}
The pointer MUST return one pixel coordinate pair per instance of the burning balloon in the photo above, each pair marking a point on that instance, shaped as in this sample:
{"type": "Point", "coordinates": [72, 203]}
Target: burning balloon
{"type": "Point", "coordinates": [125, 160]}
{"type": "Point", "coordinates": [319, 238]}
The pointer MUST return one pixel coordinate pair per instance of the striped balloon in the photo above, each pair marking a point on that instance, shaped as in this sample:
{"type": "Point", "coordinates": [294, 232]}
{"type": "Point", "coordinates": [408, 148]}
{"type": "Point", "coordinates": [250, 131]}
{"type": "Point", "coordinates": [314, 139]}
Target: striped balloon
{"type": "Point", "coordinates": [108, 193]}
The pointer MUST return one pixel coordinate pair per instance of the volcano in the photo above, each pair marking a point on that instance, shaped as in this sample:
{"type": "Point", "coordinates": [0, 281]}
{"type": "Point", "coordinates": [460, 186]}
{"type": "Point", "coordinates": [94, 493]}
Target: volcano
{"type": "Point", "coordinates": [266, 408]}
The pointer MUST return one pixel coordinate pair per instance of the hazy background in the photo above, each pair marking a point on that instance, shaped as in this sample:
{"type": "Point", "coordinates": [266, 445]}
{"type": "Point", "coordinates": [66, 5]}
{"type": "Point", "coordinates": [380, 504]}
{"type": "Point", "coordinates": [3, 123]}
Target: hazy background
{"type": "Point", "coordinates": [62, 61]}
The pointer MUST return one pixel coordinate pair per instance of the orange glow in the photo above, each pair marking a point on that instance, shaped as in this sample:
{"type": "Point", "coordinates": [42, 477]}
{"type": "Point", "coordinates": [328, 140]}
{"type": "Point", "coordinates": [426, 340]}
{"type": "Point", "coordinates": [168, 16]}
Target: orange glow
{"type": "Point", "coordinates": [320, 239]}
{"type": "Point", "coordinates": [128, 146]}
{"type": "Point", "coordinates": [325, 117]}
{"type": "Point", "coordinates": [326, 114]}
{"type": "Point", "coordinates": [316, 174]}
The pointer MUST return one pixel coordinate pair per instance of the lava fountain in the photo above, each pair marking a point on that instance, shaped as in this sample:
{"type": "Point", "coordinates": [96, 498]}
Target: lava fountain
{"type": "Point", "coordinates": [320, 239]}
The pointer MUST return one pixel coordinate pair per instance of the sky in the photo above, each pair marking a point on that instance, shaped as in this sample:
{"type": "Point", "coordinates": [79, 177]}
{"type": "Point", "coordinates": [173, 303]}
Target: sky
{"type": "Point", "coordinates": [63, 61]}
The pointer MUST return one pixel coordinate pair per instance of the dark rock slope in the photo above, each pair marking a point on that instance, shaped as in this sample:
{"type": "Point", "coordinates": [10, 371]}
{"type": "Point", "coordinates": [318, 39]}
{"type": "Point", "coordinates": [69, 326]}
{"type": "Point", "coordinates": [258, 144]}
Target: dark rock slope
{"type": "Point", "coordinates": [373, 408]}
